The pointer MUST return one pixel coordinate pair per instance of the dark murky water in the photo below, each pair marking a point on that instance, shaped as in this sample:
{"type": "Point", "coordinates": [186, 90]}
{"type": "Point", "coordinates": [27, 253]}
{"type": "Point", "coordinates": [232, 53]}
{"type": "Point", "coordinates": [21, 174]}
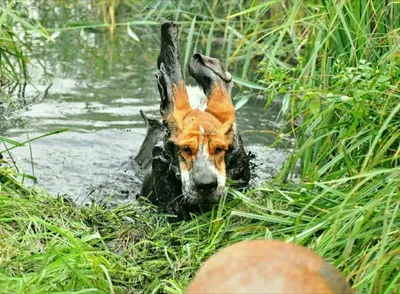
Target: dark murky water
{"type": "Point", "coordinates": [98, 85]}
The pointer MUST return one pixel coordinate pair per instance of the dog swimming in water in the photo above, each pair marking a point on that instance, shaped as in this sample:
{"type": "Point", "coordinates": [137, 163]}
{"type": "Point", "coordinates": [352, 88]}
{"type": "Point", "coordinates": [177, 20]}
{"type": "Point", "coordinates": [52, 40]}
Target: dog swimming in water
{"type": "Point", "coordinates": [186, 158]}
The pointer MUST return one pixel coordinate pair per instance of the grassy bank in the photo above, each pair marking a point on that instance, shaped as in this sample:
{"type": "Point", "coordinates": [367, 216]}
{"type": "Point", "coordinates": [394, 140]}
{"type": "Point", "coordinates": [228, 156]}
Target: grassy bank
{"type": "Point", "coordinates": [49, 245]}
{"type": "Point", "coordinates": [338, 78]}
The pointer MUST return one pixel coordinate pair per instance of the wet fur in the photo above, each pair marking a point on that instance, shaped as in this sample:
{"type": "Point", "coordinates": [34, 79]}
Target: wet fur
{"type": "Point", "coordinates": [185, 159]}
{"type": "Point", "coordinates": [158, 162]}
{"type": "Point", "coordinates": [203, 133]}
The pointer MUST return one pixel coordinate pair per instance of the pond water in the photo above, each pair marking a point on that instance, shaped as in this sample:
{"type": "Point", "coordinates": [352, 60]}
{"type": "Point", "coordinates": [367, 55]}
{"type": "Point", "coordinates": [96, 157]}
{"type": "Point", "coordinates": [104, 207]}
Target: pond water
{"type": "Point", "coordinates": [94, 84]}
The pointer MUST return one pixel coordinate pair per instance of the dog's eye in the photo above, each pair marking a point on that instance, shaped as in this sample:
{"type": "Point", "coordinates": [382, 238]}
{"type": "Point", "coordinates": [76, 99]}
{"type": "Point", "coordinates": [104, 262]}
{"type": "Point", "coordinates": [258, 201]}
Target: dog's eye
{"type": "Point", "coordinates": [218, 150]}
{"type": "Point", "coordinates": [187, 150]}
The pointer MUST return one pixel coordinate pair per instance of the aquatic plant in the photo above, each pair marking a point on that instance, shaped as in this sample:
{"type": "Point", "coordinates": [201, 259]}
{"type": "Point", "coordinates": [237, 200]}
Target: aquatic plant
{"type": "Point", "coordinates": [13, 49]}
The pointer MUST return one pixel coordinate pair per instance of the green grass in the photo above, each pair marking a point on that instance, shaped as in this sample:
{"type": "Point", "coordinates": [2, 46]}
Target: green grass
{"type": "Point", "coordinates": [335, 64]}
{"type": "Point", "coordinates": [49, 245]}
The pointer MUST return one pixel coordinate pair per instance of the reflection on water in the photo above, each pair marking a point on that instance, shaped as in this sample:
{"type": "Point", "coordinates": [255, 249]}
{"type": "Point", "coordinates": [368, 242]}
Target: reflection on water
{"type": "Point", "coordinates": [98, 85]}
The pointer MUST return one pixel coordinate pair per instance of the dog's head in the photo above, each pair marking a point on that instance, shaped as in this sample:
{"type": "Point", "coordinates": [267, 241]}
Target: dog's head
{"type": "Point", "coordinates": [202, 139]}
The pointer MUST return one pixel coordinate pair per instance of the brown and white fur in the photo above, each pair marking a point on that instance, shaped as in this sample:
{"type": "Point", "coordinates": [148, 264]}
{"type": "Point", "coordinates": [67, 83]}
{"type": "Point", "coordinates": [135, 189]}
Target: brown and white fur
{"type": "Point", "coordinates": [186, 158]}
{"type": "Point", "coordinates": [203, 131]}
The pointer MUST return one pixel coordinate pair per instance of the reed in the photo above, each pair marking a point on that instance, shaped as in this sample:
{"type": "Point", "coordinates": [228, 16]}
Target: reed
{"type": "Point", "coordinates": [13, 50]}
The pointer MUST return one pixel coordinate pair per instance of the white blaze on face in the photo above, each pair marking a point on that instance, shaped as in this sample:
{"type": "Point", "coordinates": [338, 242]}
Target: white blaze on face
{"type": "Point", "coordinates": [221, 178]}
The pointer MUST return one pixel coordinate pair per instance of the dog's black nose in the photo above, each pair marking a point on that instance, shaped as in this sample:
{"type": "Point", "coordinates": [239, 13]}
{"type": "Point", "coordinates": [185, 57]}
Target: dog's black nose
{"type": "Point", "coordinates": [207, 186]}
{"type": "Point", "coordinates": [204, 178]}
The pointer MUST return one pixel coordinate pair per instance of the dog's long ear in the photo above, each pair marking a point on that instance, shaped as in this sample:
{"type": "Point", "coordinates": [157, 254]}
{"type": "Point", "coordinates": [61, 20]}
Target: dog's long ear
{"type": "Point", "coordinates": [221, 107]}
{"type": "Point", "coordinates": [207, 71]}
{"type": "Point", "coordinates": [181, 106]}
{"type": "Point", "coordinates": [168, 64]}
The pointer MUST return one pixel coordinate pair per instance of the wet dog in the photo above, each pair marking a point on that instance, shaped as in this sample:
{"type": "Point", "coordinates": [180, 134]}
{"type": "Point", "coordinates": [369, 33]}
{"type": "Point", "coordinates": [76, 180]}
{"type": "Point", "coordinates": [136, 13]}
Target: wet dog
{"type": "Point", "coordinates": [186, 159]}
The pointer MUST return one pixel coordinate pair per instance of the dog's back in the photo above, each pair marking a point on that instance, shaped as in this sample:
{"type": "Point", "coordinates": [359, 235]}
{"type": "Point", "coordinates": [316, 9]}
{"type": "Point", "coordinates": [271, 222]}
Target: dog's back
{"type": "Point", "coordinates": [268, 267]}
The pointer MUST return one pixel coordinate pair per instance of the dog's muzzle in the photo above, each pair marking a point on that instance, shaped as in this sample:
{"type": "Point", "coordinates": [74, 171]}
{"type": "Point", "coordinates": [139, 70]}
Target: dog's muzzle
{"type": "Point", "coordinates": [205, 178]}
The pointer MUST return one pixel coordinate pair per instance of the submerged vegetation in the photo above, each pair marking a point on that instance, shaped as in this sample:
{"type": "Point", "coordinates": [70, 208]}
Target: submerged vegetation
{"type": "Point", "coordinates": [335, 65]}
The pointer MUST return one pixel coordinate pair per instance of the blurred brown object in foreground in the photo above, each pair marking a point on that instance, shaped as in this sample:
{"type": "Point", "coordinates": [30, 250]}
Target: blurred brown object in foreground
{"type": "Point", "coordinates": [267, 267]}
